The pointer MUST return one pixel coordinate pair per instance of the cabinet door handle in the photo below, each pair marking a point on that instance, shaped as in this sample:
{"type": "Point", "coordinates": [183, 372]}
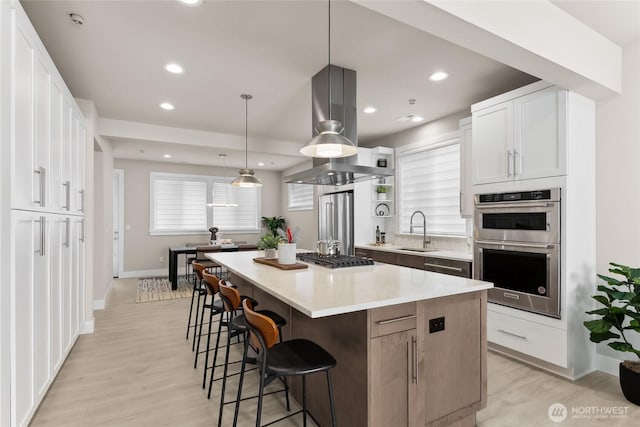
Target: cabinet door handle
{"type": "Point", "coordinates": [512, 334]}
{"type": "Point", "coordinates": [515, 169]}
{"type": "Point", "coordinates": [82, 230]}
{"type": "Point", "coordinates": [81, 200]}
{"type": "Point", "coordinates": [460, 203]}
{"type": "Point", "coordinates": [67, 196]}
{"type": "Point", "coordinates": [42, 221]}
{"type": "Point", "coordinates": [41, 183]}
{"type": "Point", "coordinates": [67, 224]}
{"type": "Point", "coordinates": [509, 163]}
{"type": "Point", "coordinates": [444, 267]}
{"type": "Point", "coordinates": [395, 319]}
{"type": "Point", "coordinates": [414, 353]}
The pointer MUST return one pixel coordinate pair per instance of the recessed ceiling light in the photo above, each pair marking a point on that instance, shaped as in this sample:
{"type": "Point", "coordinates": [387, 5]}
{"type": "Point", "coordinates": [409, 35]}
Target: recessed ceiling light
{"type": "Point", "coordinates": [167, 156]}
{"type": "Point", "coordinates": [167, 106]}
{"type": "Point", "coordinates": [438, 75]}
{"type": "Point", "coordinates": [417, 119]}
{"type": "Point", "coordinates": [369, 110]}
{"type": "Point", "coordinates": [191, 2]}
{"type": "Point", "coordinates": [174, 68]}
{"type": "Point", "coordinates": [260, 163]}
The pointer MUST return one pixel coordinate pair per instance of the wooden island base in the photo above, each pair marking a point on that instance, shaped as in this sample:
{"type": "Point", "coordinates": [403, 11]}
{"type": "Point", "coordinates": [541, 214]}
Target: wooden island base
{"type": "Point", "coordinates": [392, 371]}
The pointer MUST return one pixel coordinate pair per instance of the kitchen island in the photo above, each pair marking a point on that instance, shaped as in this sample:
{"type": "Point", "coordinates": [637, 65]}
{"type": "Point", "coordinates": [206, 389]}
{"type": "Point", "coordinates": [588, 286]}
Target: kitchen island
{"type": "Point", "coordinates": [410, 344]}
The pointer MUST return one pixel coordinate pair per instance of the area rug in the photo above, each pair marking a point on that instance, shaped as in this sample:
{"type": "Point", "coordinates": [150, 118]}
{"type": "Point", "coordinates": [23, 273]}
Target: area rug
{"type": "Point", "coordinates": [159, 289]}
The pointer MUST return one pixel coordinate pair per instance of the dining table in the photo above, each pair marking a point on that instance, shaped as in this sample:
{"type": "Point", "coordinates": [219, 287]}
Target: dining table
{"type": "Point", "coordinates": [176, 251]}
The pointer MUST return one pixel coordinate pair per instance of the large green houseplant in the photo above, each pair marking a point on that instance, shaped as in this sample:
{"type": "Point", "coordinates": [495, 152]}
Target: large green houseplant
{"type": "Point", "coordinates": [619, 319]}
{"type": "Point", "coordinates": [273, 223]}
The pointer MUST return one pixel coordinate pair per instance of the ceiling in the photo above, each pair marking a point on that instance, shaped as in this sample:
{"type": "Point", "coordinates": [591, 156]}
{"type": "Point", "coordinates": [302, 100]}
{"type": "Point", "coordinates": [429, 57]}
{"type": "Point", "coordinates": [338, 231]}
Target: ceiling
{"type": "Point", "coordinates": [269, 49]}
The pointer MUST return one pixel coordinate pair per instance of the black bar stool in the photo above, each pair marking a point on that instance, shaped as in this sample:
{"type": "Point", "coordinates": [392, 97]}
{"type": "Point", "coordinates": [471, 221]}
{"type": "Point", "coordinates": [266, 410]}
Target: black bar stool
{"type": "Point", "coordinates": [237, 326]}
{"type": "Point", "coordinates": [297, 357]}
{"type": "Point", "coordinates": [197, 289]}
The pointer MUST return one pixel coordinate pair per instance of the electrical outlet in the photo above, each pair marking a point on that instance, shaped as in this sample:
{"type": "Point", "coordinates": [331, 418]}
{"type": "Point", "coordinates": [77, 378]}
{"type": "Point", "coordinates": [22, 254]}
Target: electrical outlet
{"type": "Point", "coordinates": [436, 325]}
{"type": "Point", "coordinates": [161, 259]}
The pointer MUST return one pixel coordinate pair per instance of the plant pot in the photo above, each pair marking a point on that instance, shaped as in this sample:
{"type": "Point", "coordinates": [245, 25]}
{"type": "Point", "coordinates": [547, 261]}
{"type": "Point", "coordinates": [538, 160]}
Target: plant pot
{"type": "Point", "coordinates": [270, 253]}
{"type": "Point", "coordinates": [382, 196]}
{"type": "Point", "coordinates": [286, 253]}
{"type": "Point", "coordinates": [630, 384]}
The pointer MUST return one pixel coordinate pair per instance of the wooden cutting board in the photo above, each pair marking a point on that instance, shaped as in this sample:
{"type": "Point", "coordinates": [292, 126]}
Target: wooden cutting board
{"type": "Point", "coordinates": [274, 263]}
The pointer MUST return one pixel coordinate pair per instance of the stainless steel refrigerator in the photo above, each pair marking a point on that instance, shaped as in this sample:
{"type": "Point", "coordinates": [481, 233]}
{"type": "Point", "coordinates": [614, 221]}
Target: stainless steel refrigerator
{"type": "Point", "coordinates": [335, 219]}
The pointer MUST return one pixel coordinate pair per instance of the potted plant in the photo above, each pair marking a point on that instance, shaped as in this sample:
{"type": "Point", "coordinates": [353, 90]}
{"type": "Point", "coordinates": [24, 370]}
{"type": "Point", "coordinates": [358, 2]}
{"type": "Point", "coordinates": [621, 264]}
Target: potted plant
{"type": "Point", "coordinates": [268, 243]}
{"type": "Point", "coordinates": [273, 223]}
{"type": "Point", "coordinates": [382, 192]}
{"type": "Point", "coordinates": [619, 318]}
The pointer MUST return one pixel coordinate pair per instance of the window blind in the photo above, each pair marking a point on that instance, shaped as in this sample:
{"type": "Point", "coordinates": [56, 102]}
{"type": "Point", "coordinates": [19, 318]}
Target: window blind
{"type": "Point", "coordinates": [429, 180]}
{"type": "Point", "coordinates": [194, 203]}
{"type": "Point", "coordinates": [179, 204]}
{"type": "Point", "coordinates": [235, 208]}
{"type": "Point", "coordinates": [300, 197]}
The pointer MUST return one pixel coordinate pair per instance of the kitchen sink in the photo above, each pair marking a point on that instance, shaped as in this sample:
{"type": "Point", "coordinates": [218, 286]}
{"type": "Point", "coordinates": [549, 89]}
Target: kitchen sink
{"type": "Point", "coordinates": [418, 249]}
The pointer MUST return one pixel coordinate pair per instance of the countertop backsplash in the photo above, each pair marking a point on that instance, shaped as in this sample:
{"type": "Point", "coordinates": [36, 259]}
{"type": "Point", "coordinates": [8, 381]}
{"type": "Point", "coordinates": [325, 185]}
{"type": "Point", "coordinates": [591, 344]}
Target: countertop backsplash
{"type": "Point", "coordinates": [453, 243]}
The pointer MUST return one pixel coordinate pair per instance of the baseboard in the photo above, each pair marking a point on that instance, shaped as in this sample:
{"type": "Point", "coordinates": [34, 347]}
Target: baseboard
{"type": "Point", "coordinates": [101, 304]}
{"type": "Point", "coordinates": [159, 272]}
{"type": "Point", "coordinates": [87, 327]}
{"type": "Point", "coordinates": [608, 364]}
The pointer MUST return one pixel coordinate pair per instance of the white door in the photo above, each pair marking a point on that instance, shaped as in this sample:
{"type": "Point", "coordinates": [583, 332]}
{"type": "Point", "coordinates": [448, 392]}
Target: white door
{"type": "Point", "coordinates": [492, 143]}
{"type": "Point", "coordinates": [540, 134]}
{"type": "Point", "coordinates": [30, 360]}
{"type": "Point", "coordinates": [118, 213]}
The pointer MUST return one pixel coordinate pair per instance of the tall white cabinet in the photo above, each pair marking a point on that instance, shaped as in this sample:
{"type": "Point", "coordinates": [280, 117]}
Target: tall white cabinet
{"type": "Point", "coordinates": [43, 150]}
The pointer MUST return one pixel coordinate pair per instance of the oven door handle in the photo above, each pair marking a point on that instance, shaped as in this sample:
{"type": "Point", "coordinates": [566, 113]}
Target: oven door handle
{"type": "Point", "coordinates": [513, 205]}
{"type": "Point", "coordinates": [517, 245]}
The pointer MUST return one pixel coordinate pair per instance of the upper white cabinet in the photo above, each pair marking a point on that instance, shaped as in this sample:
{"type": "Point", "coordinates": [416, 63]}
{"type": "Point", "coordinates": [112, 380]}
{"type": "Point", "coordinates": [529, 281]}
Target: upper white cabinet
{"type": "Point", "coordinates": [520, 135]}
{"type": "Point", "coordinates": [466, 194]}
{"type": "Point", "coordinates": [49, 137]}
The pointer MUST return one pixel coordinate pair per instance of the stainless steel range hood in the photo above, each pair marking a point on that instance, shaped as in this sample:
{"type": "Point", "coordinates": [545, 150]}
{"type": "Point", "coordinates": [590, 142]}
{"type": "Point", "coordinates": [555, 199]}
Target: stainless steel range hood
{"type": "Point", "coordinates": [343, 107]}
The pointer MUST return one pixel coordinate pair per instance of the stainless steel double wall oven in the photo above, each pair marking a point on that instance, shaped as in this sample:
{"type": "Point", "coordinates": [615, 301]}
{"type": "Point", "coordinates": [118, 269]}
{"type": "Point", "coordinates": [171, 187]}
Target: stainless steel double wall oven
{"type": "Point", "coordinates": [517, 247]}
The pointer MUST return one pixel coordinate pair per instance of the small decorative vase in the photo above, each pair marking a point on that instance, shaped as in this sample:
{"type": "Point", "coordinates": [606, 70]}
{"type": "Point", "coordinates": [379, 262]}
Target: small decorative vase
{"type": "Point", "coordinates": [630, 384]}
{"type": "Point", "coordinates": [286, 253]}
{"type": "Point", "coordinates": [270, 253]}
{"type": "Point", "coordinates": [382, 196]}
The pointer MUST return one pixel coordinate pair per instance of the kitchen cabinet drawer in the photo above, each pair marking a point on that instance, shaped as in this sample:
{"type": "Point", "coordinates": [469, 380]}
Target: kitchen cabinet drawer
{"type": "Point", "coordinates": [447, 266]}
{"type": "Point", "coordinates": [541, 341]}
{"type": "Point", "coordinates": [381, 256]}
{"type": "Point", "coordinates": [392, 319]}
{"type": "Point", "coordinates": [412, 261]}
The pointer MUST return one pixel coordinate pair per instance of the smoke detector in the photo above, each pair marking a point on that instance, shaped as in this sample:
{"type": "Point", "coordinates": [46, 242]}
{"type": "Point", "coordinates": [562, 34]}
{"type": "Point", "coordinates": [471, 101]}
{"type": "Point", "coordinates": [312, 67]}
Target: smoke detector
{"type": "Point", "coordinates": [76, 19]}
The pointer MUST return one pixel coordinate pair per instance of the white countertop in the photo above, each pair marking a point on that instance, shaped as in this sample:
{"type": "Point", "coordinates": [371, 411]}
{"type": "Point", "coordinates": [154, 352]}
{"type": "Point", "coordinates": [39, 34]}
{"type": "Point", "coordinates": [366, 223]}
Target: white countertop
{"type": "Point", "coordinates": [454, 255]}
{"type": "Point", "coordinates": [320, 291]}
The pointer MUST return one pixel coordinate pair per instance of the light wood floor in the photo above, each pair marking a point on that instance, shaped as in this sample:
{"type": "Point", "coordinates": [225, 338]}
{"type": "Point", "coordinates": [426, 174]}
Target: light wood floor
{"type": "Point", "coordinates": [137, 370]}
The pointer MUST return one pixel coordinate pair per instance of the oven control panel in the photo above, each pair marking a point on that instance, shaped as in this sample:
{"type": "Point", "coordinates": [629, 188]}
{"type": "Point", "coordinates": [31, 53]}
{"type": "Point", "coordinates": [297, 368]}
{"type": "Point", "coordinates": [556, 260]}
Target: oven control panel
{"type": "Point", "coordinates": [520, 196]}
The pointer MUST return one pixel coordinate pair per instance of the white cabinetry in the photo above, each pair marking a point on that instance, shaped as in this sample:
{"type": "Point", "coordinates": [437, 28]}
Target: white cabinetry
{"type": "Point", "coordinates": [520, 138]}
{"type": "Point", "coordinates": [466, 192]}
{"type": "Point", "coordinates": [539, 137]}
{"type": "Point", "coordinates": [45, 153]}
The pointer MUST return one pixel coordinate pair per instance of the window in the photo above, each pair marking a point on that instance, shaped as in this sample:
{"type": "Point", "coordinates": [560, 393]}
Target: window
{"type": "Point", "coordinates": [429, 181]}
{"type": "Point", "coordinates": [300, 197]}
{"type": "Point", "coordinates": [191, 204]}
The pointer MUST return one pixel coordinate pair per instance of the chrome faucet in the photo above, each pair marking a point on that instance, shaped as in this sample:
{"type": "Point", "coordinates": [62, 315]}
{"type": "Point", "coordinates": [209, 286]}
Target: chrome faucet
{"type": "Point", "coordinates": [425, 239]}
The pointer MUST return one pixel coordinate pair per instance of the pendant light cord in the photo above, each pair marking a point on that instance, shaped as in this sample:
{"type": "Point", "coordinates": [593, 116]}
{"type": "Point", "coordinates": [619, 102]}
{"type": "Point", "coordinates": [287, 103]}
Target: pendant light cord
{"type": "Point", "coordinates": [246, 131]}
{"type": "Point", "coordinates": [329, 59]}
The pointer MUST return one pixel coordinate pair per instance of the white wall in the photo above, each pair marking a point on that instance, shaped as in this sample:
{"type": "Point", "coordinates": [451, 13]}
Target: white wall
{"type": "Point", "coordinates": [618, 175]}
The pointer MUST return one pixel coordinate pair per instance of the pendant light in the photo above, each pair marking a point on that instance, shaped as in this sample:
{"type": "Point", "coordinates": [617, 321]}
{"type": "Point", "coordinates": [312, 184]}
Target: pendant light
{"type": "Point", "coordinates": [329, 143]}
{"type": "Point", "coordinates": [246, 178]}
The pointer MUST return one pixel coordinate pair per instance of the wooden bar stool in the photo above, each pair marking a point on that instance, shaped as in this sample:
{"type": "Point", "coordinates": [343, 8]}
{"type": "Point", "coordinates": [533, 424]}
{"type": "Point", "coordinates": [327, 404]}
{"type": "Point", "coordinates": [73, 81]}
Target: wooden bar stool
{"type": "Point", "coordinates": [237, 326]}
{"type": "Point", "coordinates": [297, 357]}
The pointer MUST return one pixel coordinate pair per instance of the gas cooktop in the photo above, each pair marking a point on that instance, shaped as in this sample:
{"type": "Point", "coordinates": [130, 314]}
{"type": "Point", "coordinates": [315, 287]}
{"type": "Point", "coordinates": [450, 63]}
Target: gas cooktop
{"type": "Point", "coordinates": [333, 261]}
